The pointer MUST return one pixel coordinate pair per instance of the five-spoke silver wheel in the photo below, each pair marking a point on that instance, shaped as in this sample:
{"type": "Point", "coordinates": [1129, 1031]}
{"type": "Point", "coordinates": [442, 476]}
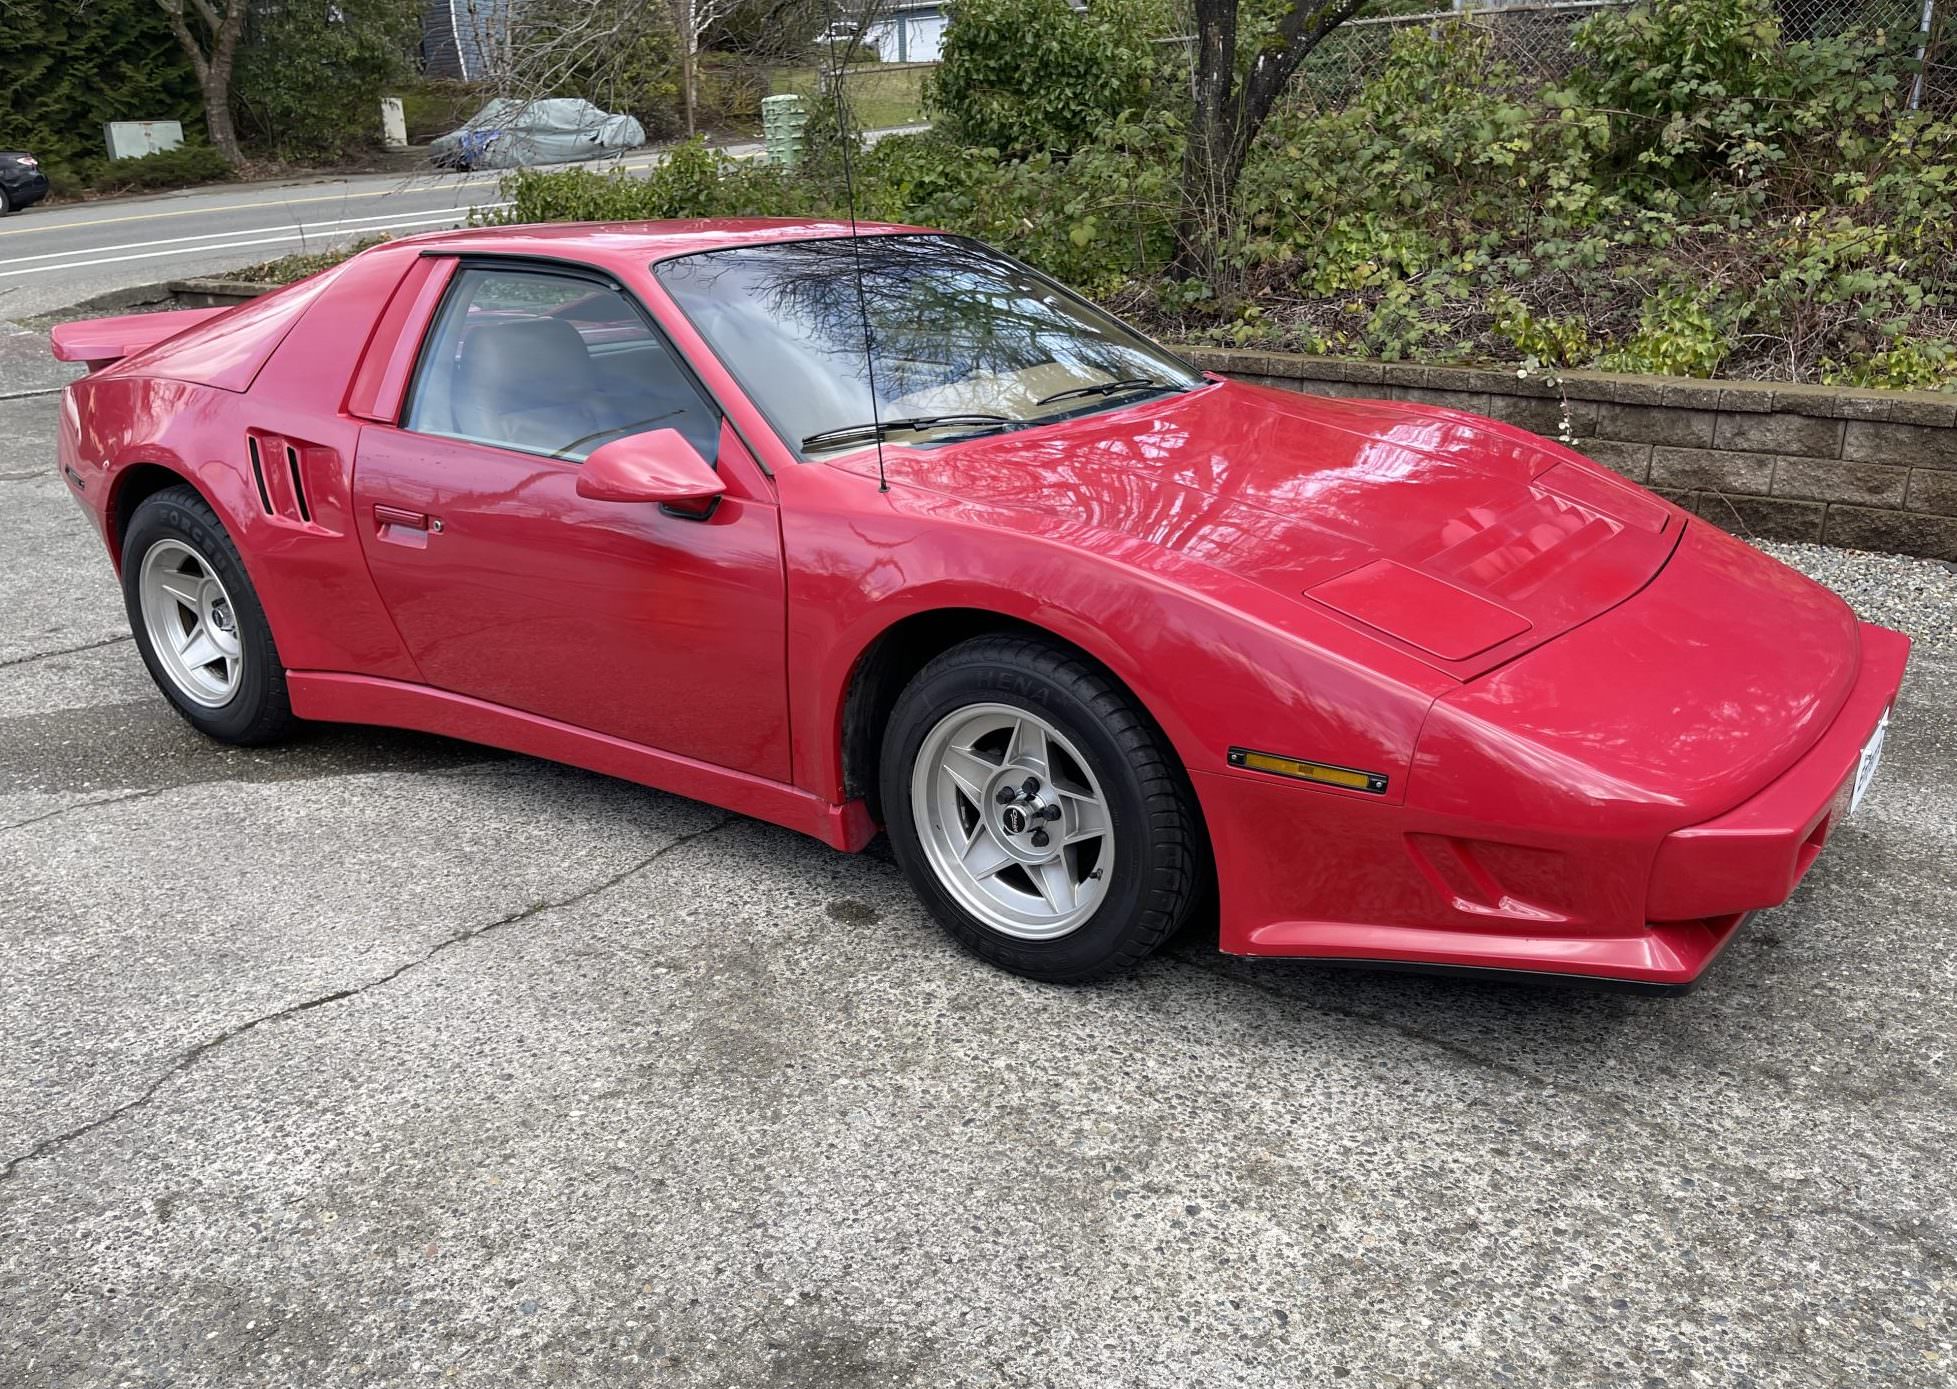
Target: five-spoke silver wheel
{"type": "Point", "coordinates": [192, 624]}
{"type": "Point", "coordinates": [1012, 820]}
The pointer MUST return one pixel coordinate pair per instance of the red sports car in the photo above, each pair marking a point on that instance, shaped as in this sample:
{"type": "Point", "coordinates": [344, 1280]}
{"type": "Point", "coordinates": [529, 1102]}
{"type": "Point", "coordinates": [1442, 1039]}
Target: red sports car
{"type": "Point", "coordinates": [893, 531]}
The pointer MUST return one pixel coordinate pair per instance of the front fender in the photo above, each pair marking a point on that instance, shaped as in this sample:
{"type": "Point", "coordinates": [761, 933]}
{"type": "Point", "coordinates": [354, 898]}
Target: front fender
{"type": "Point", "coordinates": [1216, 662]}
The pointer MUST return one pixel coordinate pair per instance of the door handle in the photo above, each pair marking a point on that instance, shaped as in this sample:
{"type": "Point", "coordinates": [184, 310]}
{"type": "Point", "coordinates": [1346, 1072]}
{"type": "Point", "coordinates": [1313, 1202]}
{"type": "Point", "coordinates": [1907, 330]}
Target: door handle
{"type": "Point", "coordinates": [396, 525]}
{"type": "Point", "coordinates": [400, 516]}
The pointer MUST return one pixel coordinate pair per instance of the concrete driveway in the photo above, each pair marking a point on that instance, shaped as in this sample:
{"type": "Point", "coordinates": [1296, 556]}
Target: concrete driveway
{"type": "Point", "coordinates": [383, 1060]}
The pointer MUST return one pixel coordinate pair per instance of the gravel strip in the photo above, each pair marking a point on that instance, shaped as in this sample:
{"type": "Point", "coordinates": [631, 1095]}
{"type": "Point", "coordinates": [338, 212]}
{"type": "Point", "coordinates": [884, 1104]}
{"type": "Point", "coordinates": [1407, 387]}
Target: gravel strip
{"type": "Point", "coordinates": [1916, 596]}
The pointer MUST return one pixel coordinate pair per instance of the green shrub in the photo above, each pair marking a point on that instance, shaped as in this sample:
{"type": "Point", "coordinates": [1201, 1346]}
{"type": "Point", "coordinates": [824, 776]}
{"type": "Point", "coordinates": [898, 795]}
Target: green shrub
{"type": "Point", "coordinates": [1100, 218]}
{"type": "Point", "coordinates": [1760, 207]}
{"type": "Point", "coordinates": [189, 163]}
{"type": "Point", "coordinates": [1904, 366]}
{"type": "Point", "coordinates": [1438, 155]}
{"type": "Point", "coordinates": [1679, 334]}
{"type": "Point", "coordinates": [1547, 341]}
{"type": "Point", "coordinates": [1696, 89]}
{"type": "Point", "coordinates": [1031, 76]}
{"type": "Point", "coordinates": [694, 181]}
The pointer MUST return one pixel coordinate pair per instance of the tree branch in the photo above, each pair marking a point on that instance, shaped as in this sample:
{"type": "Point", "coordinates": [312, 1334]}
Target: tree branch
{"type": "Point", "coordinates": [209, 16]}
{"type": "Point", "coordinates": [173, 11]}
{"type": "Point", "coordinates": [1227, 113]}
{"type": "Point", "coordinates": [1303, 27]}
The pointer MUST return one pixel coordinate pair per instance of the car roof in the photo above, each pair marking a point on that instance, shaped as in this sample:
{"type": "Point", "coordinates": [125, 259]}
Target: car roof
{"type": "Point", "coordinates": [637, 243]}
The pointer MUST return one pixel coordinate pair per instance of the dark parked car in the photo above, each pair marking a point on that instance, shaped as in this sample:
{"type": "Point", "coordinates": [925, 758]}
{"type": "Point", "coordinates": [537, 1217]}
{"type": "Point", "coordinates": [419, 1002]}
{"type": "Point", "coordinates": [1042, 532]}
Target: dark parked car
{"type": "Point", "coordinates": [21, 181]}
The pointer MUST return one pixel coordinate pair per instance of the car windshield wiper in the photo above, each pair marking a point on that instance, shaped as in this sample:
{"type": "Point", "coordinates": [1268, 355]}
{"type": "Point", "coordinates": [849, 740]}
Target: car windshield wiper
{"type": "Point", "coordinates": [850, 433]}
{"type": "Point", "coordinates": [1126, 383]}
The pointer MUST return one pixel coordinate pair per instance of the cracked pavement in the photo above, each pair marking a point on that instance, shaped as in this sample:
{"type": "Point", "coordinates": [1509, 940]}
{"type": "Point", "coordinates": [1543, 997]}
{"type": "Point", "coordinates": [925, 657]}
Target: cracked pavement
{"type": "Point", "coordinates": [379, 1059]}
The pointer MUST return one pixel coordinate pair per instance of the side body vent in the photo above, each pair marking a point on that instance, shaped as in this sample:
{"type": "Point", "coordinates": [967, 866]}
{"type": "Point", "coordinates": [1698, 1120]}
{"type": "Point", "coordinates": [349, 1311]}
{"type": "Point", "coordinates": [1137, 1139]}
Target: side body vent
{"type": "Point", "coordinates": [299, 483]}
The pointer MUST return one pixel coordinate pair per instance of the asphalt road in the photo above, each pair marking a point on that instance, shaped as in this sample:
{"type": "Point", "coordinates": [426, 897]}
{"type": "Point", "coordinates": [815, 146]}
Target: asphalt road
{"type": "Point", "coordinates": [51, 257]}
{"type": "Point", "coordinates": [378, 1059]}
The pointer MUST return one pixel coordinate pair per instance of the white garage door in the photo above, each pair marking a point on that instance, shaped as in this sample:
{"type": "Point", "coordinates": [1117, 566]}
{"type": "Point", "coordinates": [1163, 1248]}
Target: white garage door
{"type": "Point", "coordinates": [923, 37]}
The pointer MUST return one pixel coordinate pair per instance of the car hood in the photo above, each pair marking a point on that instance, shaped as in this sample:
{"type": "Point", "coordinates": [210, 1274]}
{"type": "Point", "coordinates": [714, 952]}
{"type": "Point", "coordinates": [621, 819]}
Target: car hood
{"type": "Point", "coordinates": [1461, 541]}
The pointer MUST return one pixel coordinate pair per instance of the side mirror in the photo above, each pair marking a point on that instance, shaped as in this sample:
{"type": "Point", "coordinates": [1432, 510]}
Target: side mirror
{"type": "Point", "coordinates": [656, 467]}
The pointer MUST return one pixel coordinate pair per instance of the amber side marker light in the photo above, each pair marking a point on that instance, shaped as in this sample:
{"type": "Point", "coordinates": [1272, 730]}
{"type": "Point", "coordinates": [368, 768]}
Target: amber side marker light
{"type": "Point", "coordinates": [1324, 773]}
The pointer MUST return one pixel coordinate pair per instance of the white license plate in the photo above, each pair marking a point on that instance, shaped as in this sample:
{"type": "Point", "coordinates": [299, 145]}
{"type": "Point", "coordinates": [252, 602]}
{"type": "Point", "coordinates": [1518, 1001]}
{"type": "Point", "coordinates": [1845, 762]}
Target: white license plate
{"type": "Point", "coordinates": [1871, 759]}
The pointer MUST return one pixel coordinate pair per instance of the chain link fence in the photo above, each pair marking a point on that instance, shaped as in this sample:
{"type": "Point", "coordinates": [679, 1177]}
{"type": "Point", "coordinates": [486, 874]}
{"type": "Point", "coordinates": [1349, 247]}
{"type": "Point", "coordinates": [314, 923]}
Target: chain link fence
{"type": "Point", "coordinates": [1533, 39]}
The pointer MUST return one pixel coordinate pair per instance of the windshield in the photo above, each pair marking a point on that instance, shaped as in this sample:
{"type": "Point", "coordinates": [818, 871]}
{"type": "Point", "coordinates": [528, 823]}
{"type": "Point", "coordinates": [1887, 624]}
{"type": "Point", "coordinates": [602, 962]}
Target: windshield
{"type": "Point", "coordinates": [966, 340]}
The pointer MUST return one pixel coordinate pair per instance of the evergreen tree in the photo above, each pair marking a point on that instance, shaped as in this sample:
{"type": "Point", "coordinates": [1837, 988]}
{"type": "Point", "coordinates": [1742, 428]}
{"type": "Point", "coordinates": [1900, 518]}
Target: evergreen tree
{"type": "Point", "coordinates": [69, 66]}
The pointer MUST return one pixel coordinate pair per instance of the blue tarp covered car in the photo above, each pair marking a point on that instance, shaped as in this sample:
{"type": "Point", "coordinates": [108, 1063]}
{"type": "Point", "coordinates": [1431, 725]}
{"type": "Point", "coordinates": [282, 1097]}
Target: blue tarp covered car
{"type": "Point", "coordinates": [510, 133]}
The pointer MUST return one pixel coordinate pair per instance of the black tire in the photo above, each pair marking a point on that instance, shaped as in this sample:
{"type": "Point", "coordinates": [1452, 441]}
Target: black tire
{"type": "Point", "coordinates": [1160, 854]}
{"type": "Point", "coordinates": [6, 203]}
{"type": "Point", "coordinates": [260, 710]}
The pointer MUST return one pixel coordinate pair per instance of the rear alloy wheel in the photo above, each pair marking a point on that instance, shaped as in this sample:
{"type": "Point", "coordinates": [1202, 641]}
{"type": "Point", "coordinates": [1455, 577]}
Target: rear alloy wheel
{"type": "Point", "coordinates": [1037, 812]}
{"type": "Point", "coordinates": [192, 624]}
{"type": "Point", "coordinates": [198, 623]}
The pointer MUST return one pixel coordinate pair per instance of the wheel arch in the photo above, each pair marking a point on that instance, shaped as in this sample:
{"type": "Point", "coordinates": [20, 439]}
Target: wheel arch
{"type": "Point", "coordinates": [897, 653]}
{"type": "Point", "coordinates": [134, 484]}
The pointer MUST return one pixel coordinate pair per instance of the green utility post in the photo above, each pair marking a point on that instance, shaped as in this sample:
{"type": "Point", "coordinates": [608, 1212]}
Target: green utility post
{"type": "Point", "coordinates": [782, 119]}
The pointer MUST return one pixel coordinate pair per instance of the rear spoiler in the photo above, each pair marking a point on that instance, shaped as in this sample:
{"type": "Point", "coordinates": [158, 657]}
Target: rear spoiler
{"type": "Point", "coordinates": [99, 342]}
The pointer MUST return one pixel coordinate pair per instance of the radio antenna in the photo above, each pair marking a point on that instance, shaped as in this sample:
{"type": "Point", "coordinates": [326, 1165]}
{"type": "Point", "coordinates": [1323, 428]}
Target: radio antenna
{"type": "Point", "coordinates": [845, 140]}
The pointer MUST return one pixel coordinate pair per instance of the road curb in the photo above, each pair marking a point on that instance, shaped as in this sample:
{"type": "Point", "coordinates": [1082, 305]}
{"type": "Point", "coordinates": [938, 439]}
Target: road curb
{"type": "Point", "coordinates": [215, 292]}
{"type": "Point", "coordinates": [163, 294]}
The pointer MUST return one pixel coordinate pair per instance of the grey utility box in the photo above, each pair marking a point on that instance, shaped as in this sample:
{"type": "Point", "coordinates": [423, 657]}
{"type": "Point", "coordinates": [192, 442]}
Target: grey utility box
{"type": "Point", "coordinates": [134, 139]}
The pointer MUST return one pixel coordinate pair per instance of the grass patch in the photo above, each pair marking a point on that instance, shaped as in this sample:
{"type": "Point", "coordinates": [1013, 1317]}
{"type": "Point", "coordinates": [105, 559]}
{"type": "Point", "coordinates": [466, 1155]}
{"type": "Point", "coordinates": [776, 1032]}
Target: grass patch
{"type": "Point", "coordinates": [882, 96]}
{"type": "Point", "coordinates": [300, 264]}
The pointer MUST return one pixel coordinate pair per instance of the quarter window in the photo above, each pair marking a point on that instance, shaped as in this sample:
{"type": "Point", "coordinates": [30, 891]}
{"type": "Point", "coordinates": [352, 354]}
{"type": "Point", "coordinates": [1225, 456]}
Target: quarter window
{"type": "Point", "coordinates": [550, 364]}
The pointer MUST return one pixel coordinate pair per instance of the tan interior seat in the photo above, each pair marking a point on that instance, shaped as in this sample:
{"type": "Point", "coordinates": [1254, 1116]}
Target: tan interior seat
{"type": "Point", "coordinates": [527, 382]}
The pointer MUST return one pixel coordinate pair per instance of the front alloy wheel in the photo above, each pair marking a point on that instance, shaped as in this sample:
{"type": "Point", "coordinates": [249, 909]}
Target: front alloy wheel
{"type": "Point", "coordinates": [1012, 820]}
{"type": "Point", "coordinates": [1038, 813]}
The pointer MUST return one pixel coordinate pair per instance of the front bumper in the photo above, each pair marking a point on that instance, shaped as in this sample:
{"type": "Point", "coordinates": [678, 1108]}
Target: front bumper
{"type": "Point", "coordinates": [1755, 854]}
{"type": "Point", "coordinates": [1405, 888]}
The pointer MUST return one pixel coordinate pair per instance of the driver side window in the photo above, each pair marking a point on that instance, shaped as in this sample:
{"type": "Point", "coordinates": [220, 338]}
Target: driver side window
{"type": "Point", "coordinates": [549, 364]}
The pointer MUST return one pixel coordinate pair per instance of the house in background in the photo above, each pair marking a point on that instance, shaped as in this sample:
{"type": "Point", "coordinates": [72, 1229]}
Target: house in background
{"type": "Point", "coordinates": [465, 40]}
{"type": "Point", "coordinates": [913, 32]}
